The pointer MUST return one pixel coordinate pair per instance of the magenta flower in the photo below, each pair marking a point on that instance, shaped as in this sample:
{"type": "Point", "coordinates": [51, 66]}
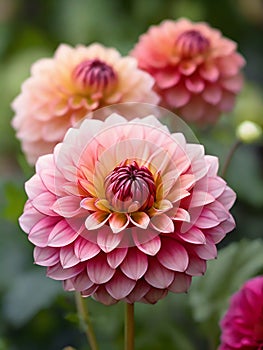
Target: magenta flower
{"type": "Point", "coordinates": [196, 70]}
{"type": "Point", "coordinates": [63, 89]}
{"type": "Point", "coordinates": [242, 325]}
{"type": "Point", "coordinates": [125, 210]}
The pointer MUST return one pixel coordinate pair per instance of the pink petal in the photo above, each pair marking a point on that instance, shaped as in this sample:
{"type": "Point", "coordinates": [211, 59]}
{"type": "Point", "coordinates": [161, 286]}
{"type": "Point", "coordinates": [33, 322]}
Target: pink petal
{"type": "Point", "coordinates": [177, 96]}
{"type": "Point", "coordinates": [227, 198]}
{"type": "Point", "coordinates": [116, 257]}
{"type": "Point", "coordinates": [181, 283]}
{"type": "Point", "coordinates": [147, 241]}
{"type": "Point", "coordinates": [196, 267]}
{"type": "Point", "coordinates": [62, 234]}
{"type": "Point", "coordinates": [58, 273]}
{"type": "Point", "coordinates": [154, 295]}
{"type": "Point", "coordinates": [30, 217]}
{"type": "Point", "coordinates": [140, 219]}
{"type": "Point", "coordinates": [135, 264]}
{"type": "Point", "coordinates": [227, 101]}
{"type": "Point", "coordinates": [187, 67]}
{"type": "Point", "coordinates": [162, 223]}
{"type": "Point", "coordinates": [216, 186]}
{"type": "Point", "coordinates": [138, 292]}
{"type": "Point", "coordinates": [104, 297]}
{"type": "Point", "coordinates": [84, 249]}
{"type": "Point", "coordinates": [201, 198]}
{"type": "Point", "coordinates": [193, 235]}
{"type": "Point", "coordinates": [67, 257]}
{"type": "Point", "coordinates": [181, 215]}
{"type": "Point", "coordinates": [39, 233]}
{"type": "Point", "coordinates": [89, 291]}
{"type": "Point", "coordinates": [99, 270]}
{"type": "Point", "coordinates": [118, 222]}
{"type": "Point", "coordinates": [43, 203]}
{"type": "Point", "coordinates": [46, 256]}
{"type": "Point", "coordinates": [107, 241]}
{"type": "Point", "coordinates": [212, 94]}
{"type": "Point", "coordinates": [34, 186]}
{"type": "Point", "coordinates": [166, 78]}
{"type": "Point", "coordinates": [209, 72]}
{"type": "Point", "coordinates": [96, 220]}
{"type": "Point", "coordinates": [206, 251]}
{"type": "Point", "coordinates": [67, 206]}
{"type": "Point", "coordinates": [173, 255]}
{"type": "Point", "coordinates": [120, 286]}
{"type": "Point", "coordinates": [195, 84]}
{"type": "Point", "coordinates": [157, 275]}
{"type": "Point", "coordinates": [81, 282]}
{"type": "Point", "coordinates": [207, 219]}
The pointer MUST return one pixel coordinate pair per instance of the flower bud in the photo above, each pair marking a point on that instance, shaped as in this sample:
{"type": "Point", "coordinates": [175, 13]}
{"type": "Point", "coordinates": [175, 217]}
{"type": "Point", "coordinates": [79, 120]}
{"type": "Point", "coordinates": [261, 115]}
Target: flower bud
{"type": "Point", "coordinates": [248, 131]}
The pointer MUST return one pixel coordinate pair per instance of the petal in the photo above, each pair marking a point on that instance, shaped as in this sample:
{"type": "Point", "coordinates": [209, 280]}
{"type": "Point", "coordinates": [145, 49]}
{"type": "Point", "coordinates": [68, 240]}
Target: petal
{"type": "Point", "coordinates": [46, 256]}
{"type": "Point", "coordinates": [195, 84]}
{"type": "Point", "coordinates": [135, 264]}
{"type": "Point", "coordinates": [99, 270]}
{"type": "Point", "coordinates": [104, 297]}
{"type": "Point", "coordinates": [43, 203]}
{"type": "Point", "coordinates": [67, 257]}
{"type": "Point", "coordinates": [81, 282]}
{"type": "Point", "coordinates": [141, 288]}
{"type": "Point", "coordinates": [157, 275]}
{"type": "Point", "coordinates": [196, 267]}
{"type": "Point", "coordinates": [39, 234]}
{"type": "Point", "coordinates": [177, 96]}
{"type": "Point", "coordinates": [140, 219]}
{"type": "Point", "coordinates": [67, 207]}
{"type": "Point", "coordinates": [207, 219]}
{"type": "Point", "coordinates": [181, 215]}
{"type": "Point", "coordinates": [96, 220]}
{"type": "Point", "coordinates": [193, 235]}
{"type": "Point", "coordinates": [62, 234]}
{"type": "Point", "coordinates": [118, 222]}
{"type": "Point", "coordinates": [173, 255]}
{"type": "Point", "coordinates": [116, 257]}
{"type": "Point", "coordinates": [58, 273]}
{"type": "Point", "coordinates": [181, 283]}
{"type": "Point", "coordinates": [162, 223]}
{"type": "Point", "coordinates": [147, 241]}
{"type": "Point", "coordinates": [206, 251]}
{"type": "Point", "coordinates": [89, 291]}
{"type": "Point", "coordinates": [120, 286]}
{"type": "Point", "coordinates": [84, 249]}
{"type": "Point", "coordinates": [212, 94]}
{"type": "Point", "coordinates": [154, 295]}
{"type": "Point", "coordinates": [107, 241]}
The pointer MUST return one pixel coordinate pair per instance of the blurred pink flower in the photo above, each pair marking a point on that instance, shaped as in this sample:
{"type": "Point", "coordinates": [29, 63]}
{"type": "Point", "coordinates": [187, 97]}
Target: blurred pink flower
{"type": "Point", "coordinates": [125, 210]}
{"type": "Point", "coordinates": [242, 325]}
{"type": "Point", "coordinates": [196, 70]}
{"type": "Point", "coordinates": [63, 89]}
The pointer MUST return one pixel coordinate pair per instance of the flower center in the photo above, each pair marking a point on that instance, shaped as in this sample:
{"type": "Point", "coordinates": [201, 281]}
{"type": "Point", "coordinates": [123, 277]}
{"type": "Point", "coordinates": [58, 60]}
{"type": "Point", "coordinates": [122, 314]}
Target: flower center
{"type": "Point", "coordinates": [95, 74]}
{"type": "Point", "coordinates": [191, 43]}
{"type": "Point", "coordinates": [130, 187]}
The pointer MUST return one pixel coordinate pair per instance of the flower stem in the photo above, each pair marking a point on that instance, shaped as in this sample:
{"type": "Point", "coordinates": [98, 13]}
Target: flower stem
{"type": "Point", "coordinates": [129, 326]}
{"type": "Point", "coordinates": [85, 321]}
{"type": "Point", "coordinates": [229, 157]}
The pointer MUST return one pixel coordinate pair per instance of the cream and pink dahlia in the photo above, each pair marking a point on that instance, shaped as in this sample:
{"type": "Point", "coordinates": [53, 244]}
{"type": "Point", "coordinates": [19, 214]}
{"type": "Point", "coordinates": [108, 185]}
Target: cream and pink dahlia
{"type": "Point", "coordinates": [242, 325]}
{"type": "Point", "coordinates": [196, 69]}
{"type": "Point", "coordinates": [126, 210]}
{"type": "Point", "coordinates": [63, 89]}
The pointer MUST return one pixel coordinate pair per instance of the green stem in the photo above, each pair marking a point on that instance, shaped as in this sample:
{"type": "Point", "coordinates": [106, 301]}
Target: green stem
{"type": "Point", "coordinates": [85, 321]}
{"type": "Point", "coordinates": [129, 326]}
{"type": "Point", "coordinates": [229, 157]}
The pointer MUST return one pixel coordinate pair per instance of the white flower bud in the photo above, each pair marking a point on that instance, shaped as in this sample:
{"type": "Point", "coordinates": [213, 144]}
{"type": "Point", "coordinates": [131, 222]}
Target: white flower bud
{"type": "Point", "coordinates": [248, 131]}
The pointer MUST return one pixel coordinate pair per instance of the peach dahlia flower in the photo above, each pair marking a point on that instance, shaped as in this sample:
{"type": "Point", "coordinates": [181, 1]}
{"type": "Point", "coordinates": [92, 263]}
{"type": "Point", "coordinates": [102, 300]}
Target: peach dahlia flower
{"type": "Point", "coordinates": [63, 89]}
{"type": "Point", "coordinates": [125, 210]}
{"type": "Point", "coordinates": [196, 70]}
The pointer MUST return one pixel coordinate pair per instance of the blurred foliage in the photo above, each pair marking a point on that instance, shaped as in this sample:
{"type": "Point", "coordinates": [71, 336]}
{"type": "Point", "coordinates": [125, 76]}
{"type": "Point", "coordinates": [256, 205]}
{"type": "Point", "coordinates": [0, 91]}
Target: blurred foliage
{"type": "Point", "coordinates": [34, 312]}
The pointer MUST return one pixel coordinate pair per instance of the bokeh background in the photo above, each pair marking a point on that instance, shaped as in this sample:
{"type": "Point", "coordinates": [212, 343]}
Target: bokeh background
{"type": "Point", "coordinates": [35, 314]}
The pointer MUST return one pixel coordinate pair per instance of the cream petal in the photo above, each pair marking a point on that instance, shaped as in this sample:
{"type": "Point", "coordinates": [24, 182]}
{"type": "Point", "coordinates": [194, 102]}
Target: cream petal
{"type": "Point", "coordinates": [173, 255]}
{"type": "Point", "coordinates": [140, 219]}
{"type": "Point", "coordinates": [135, 264]}
{"type": "Point", "coordinates": [118, 222]}
{"type": "Point", "coordinates": [162, 223]}
{"type": "Point", "coordinates": [181, 215]}
{"type": "Point", "coordinates": [96, 220]}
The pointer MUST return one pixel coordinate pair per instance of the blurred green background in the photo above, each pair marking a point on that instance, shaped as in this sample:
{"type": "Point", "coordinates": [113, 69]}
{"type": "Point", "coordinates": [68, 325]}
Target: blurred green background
{"type": "Point", "coordinates": [35, 314]}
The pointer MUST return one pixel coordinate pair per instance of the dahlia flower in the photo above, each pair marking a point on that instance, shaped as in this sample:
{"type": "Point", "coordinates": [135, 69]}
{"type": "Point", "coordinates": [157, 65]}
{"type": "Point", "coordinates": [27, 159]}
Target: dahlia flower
{"type": "Point", "coordinates": [63, 89]}
{"type": "Point", "coordinates": [196, 70]}
{"type": "Point", "coordinates": [242, 325]}
{"type": "Point", "coordinates": [126, 210]}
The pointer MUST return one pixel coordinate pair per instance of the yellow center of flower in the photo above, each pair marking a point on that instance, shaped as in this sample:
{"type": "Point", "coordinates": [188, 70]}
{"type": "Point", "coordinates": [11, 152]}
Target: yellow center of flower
{"type": "Point", "coordinates": [130, 187]}
{"type": "Point", "coordinates": [191, 43]}
{"type": "Point", "coordinates": [95, 75]}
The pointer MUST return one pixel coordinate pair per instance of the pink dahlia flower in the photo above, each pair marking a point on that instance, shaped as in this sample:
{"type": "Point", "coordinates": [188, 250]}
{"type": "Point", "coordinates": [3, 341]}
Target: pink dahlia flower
{"type": "Point", "coordinates": [196, 70]}
{"type": "Point", "coordinates": [63, 89]}
{"type": "Point", "coordinates": [125, 210]}
{"type": "Point", "coordinates": [242, 325]}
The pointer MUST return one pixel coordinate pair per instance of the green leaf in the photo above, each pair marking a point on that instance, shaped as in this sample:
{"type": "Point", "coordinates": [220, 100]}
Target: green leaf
{"type": "Point", "coordinates": [15, 197]}
{"type": "Point", "coordinates": [29, 293]}
{"type": "Point", "coordinates": [210, 293]}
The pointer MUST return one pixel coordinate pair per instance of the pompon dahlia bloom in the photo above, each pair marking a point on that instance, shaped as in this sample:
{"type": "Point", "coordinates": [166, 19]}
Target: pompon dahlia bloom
{"type": "Point", "coordinates": [63, 89]}
{"type": "Point", "coordinates": [242, 325]}
{"type": "Point", "coordinates": [125, 210]}
{"type": "Point", "coordinates": [196, 70]}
